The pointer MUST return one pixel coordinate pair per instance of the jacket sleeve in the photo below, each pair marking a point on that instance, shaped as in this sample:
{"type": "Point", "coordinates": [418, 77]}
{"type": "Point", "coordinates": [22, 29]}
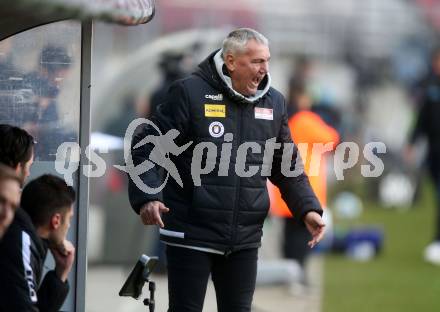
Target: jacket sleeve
{"type": "Point", "coordinates": [52, 293]}
{"type": "Point", "coordinates": [172, 114]}
{"type": "Point", "coordinates": [295, 190]}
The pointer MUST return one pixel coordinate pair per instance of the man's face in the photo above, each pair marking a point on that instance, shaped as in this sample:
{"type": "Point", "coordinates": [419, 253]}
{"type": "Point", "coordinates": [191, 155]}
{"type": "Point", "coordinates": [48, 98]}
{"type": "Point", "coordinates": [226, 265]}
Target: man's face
{"type": "Point", "coordinates": [58, 235]}
{"type": "Point", "coordinates": [9, 201]}
{"type": "Point", "coordinates": [247, 69]}
{"type": "Point", "coordinates": [24, 170]}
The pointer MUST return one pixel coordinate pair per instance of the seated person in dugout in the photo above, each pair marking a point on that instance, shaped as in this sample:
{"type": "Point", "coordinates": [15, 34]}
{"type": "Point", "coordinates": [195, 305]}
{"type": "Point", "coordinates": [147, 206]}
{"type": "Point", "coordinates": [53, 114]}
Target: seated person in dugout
{"type": "Point", "coordinates": [41, 223]}
{"type": "Point", "coordinates": [9, 197]}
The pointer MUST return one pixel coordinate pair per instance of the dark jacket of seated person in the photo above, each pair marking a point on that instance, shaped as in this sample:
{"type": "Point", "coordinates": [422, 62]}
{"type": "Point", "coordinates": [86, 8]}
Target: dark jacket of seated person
{"type": "Point", "coordinates": [41, 224]}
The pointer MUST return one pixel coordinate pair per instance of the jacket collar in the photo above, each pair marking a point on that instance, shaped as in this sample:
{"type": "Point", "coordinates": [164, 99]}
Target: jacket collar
{"type": "Point", "coordinates": [24, 220]}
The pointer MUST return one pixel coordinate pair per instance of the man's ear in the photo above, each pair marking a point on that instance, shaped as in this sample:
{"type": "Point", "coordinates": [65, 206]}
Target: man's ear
{"type": "Point", "coordinates": [18, 168]}
{"type": "Point", "coordinates": [55, 221]}
{"type": "Point", "coordinates": [230, 62]}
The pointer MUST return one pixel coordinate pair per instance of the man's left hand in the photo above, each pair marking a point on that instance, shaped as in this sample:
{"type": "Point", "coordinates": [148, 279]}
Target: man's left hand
{"type": "Point", "coordinates": [315, 225]}
{"type": "Point", "coordinates": [64, 255]}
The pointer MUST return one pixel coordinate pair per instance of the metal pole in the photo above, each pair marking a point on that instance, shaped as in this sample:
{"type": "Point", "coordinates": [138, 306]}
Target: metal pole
{"type": "Point", "coordinates": [83, 191]}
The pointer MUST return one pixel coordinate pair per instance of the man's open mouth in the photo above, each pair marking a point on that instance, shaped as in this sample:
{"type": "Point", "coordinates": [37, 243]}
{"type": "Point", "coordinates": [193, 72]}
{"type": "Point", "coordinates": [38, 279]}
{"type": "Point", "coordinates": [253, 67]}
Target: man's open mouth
{"type": "Point", "coordinates": [257, 80]}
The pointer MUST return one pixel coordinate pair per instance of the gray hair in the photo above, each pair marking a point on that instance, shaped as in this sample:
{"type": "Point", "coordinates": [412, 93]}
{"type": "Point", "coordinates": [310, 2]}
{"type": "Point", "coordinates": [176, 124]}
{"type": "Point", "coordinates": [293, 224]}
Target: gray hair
{"type": "Point", "coordinates": [236, 41]}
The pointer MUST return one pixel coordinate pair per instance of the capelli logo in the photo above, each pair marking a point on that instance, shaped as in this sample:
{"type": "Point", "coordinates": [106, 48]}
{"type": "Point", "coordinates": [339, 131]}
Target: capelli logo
{"type": "Point", "coordinates": [218, 97]}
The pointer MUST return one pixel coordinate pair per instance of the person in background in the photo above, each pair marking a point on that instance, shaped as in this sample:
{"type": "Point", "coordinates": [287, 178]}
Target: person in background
{"type": "Point", "coordinates": [427, 125]}
{"type": "Point", "coordinates": [132, 107]}
{"type": "Point", "coordinates": [46, 83]}
{"type": "Point", "coordinates": [8, 69]}
{"type": "Point", "coordinates": [53, 68]}
{"type": "Point", "coordinates": [17, 150]}
{"type": "Point", "coordinates": [9, 197]}
{"type": "Point", "coordinates": [307, 128]}
{"type": "Point", "coordinates": [41, 223]}
{"type": "Point", "coordinates": [172, 69]}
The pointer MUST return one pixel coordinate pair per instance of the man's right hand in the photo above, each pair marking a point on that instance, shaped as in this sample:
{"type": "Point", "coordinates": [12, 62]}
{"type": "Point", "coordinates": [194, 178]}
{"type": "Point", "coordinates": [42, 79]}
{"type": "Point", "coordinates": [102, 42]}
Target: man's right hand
{"type": "Point", "coordinates": [150, 213]}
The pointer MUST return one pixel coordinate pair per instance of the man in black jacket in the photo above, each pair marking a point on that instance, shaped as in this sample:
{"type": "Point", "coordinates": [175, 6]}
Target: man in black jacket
{"type": "Point", "coordinates": [214, 214]}
{"type": "Point", "coordinates": [40, 224]}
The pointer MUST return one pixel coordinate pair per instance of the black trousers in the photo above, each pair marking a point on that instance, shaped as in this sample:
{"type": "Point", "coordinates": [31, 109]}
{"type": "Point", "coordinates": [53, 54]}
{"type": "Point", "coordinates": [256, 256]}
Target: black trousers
{"type": "Point", "coordinates": [233, 277]}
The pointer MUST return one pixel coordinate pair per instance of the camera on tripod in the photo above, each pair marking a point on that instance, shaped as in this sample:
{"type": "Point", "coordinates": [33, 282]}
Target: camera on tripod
{"type": "Point", "coordinates": [137, 278]}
